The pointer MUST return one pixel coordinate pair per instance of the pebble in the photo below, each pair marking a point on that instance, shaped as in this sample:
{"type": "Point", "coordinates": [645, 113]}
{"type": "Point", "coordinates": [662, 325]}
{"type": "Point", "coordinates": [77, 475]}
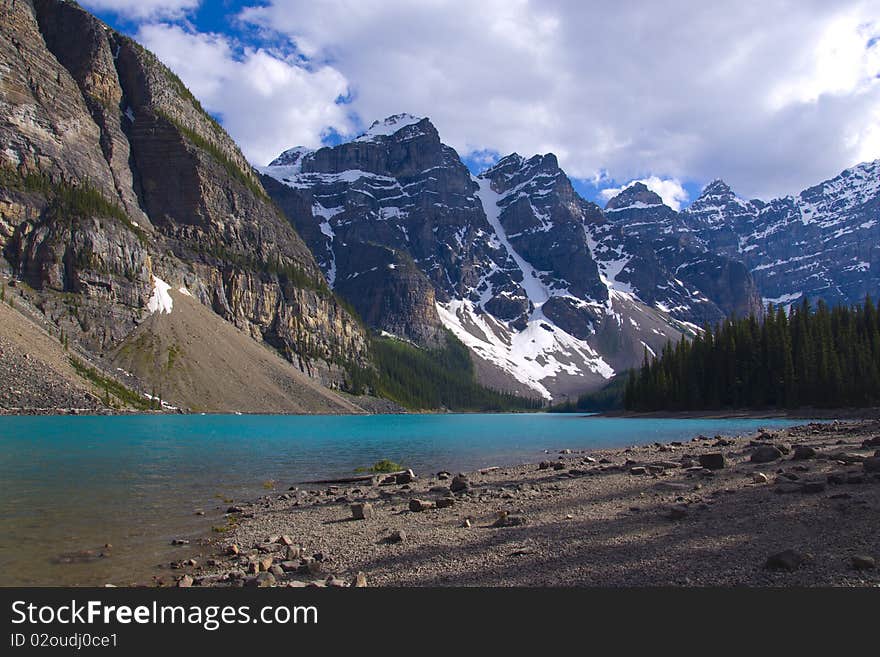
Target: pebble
{"type": "Point", "coordinates": [788, 560]}
{"type": "Point", "coordinates": [863, 562]}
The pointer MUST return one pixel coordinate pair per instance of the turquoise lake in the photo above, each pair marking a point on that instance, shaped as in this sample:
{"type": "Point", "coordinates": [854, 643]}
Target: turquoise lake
{"type": "Point", "coordinates": [70, 484]}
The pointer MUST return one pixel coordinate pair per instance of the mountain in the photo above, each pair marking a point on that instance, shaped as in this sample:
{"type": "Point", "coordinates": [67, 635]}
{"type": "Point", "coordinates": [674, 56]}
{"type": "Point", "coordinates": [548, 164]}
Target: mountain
{"type": "Point", "coordinates": [116, 186]}
{"type": "Point", "coordinates": [549, 295]}
{"type": "Point", "coordinates": [821, 243]}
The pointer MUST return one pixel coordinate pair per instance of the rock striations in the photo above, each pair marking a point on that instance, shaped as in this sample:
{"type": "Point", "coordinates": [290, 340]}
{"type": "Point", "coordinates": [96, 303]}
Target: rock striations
{"type": "Point", "coordinates": [114, 179]}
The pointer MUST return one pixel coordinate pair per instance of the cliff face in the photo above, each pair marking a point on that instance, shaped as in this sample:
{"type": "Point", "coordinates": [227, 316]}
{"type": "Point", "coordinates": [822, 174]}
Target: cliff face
{"type": "Point", "coordinates": [113, 176]}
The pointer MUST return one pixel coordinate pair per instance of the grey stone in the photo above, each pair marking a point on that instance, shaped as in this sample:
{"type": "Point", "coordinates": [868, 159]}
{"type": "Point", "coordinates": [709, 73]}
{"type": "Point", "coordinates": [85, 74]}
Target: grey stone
{"type": "Point", "coordinates": [766, 454]}
{"type": "Point", "coordinates": [362, 511]}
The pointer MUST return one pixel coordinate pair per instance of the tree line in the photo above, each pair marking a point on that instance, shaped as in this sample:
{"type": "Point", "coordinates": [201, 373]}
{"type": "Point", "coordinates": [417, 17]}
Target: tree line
{"type": "Point", "coordinates": [820, 357]}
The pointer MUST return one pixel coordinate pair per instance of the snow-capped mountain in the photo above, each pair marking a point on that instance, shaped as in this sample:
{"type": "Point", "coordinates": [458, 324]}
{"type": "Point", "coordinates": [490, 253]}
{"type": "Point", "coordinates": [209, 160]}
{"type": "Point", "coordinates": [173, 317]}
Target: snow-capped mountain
{"type": "Point", "coordinates": [822, 243]}
{"type": "Point", "coordinates": [551, 297]}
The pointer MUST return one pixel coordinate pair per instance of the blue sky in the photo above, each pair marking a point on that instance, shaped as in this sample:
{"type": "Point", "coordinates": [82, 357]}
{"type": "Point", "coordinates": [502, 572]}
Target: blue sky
{"type": "Point", "coordinates": [770, 96]}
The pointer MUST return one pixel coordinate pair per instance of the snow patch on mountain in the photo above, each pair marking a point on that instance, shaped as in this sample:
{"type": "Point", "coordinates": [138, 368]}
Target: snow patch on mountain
{"type": "Point", "coordinates": [160, 301]}
{"type": "Point", "coordinates": [388, 126]}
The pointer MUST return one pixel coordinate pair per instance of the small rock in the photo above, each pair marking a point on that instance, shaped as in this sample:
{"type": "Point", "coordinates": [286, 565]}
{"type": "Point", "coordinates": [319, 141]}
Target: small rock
{"type": "Point", "coordinates": [766, 454]}
{"type": "Point", "coordinates": [638, 470]}
{"type": "Point", "coordinates": [263, 580]}
{"type": "Point", "coordinates": [443, 475]}
{"type": "Point", "coordinates": [712, 461]}
{"type": "Point", "coordinates": [292, 553]}
{"type": "Point", "coordinates": [788, 560]}
{"type": "Point", "coordinates": [677, 512]}
{"type": "Point", "coordinates": [459, 483]}
{"type": "Point", "coordinates": [234, 509]}
{"type": "Point", "coordinates": [284, 539]}
{"type": "Point", "coordinates": [863, 562]}
{"type": "Point", "coordinates": [406, 477]}
{"type": "Point", "coordinates": [360, 580]}
{"type": "Point", "coordinates": [277, 571]}
{"type": "Point", "coordinates": [232, 550]}
{"type": "Point", "coordinates": [445, 502]}
{"type": "Point", "coordinates": [872, 464]}
{"type": "Point", "coordinates": [362, 511]}
{"type": "Point", "coordinates": [804, 452]}
{"type": "Point", "coordinates": [507, 520]}
{"type": "Point", "coordinates": [265, 563]}
{"type": "Point", "coordinates": [466, 523]}
{"type": "Point", "coordinates": [185, 582]}
{"type": "Point", "coordinates": [397, 536]}
{"type": "Point", "coordinates": [544, 465]}
{"type": "Point", "coordinates": [179, 541]}
{"type": "Point", "coordinates": [417, 505]}
{"type": "Point", "coordinates": [759, 478]}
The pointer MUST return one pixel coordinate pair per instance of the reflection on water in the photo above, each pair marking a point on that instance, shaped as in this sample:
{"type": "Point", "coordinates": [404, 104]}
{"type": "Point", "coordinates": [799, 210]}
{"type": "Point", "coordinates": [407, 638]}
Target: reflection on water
{"type": "Point", "coordinates": [71, 485]}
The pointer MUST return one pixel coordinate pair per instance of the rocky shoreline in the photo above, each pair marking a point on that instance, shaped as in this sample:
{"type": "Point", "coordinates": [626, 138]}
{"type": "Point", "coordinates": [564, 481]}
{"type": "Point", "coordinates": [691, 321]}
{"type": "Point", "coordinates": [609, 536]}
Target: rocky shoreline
{"type": "Point", "coordinates": [796, 507]}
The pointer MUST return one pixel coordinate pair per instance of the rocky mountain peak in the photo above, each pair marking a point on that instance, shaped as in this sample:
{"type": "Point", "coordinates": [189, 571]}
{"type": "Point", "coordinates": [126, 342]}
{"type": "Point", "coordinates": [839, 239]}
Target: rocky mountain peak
{"type": "Point", "coordinates": [716, 188]}
{"type": "Point", "coordinates": [291, 157]}
{"type": "Point", "coordinates": [636, 195]}
{"type": "Point", "coordinates": [393, 124]}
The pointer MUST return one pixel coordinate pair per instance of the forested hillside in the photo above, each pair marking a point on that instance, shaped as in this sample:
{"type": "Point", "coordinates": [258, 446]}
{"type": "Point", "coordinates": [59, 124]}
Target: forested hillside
{"type": "Point", "coordinates": [823, 357]}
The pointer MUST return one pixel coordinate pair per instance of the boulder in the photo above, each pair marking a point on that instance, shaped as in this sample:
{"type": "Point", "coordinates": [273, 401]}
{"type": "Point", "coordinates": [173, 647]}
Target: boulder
{"type": "Point", "coordinates": [712, 460]}
{"type": "Point", "coordinates": [766, 454]}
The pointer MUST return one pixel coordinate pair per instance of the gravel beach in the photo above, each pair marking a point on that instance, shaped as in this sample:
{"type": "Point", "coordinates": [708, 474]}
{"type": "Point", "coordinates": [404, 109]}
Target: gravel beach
{"type": "Point", "coordinates": [797, 507]}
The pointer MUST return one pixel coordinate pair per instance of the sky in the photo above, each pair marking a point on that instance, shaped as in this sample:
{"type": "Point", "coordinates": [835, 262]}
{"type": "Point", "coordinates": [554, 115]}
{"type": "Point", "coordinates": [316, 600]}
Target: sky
{"type": "Point", "coordinates": [770, 95]}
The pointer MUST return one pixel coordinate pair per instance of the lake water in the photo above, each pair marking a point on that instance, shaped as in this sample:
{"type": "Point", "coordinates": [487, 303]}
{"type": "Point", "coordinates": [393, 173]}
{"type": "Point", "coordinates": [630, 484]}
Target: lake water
{"type": "Point", "coordinates": [69, 484]}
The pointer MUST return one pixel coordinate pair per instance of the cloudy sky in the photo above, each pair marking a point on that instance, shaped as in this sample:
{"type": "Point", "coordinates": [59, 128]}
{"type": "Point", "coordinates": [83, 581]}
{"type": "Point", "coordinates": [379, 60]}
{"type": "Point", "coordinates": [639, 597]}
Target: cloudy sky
{"type": "Point", "coordinates": [770, 95]}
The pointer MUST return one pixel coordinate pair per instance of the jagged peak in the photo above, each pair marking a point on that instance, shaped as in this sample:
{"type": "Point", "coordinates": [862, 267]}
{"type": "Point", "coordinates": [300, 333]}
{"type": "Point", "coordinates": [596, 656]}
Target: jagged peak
{"type": "Point", "coordinates": [390, 125]}
{"type": "Point", "coordinates": [512, 164]}
{"type": "Point", "coordinates": [291, 157]}
{"type": "Point", "coordinates": [636, 195]}
{"type": "Point", "coordinates": [717, 188]}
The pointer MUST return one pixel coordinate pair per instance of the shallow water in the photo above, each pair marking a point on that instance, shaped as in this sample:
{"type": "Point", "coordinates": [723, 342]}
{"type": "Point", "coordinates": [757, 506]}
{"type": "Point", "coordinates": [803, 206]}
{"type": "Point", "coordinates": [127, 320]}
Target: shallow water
{"type": "Point", "coordinates": [69, 484]}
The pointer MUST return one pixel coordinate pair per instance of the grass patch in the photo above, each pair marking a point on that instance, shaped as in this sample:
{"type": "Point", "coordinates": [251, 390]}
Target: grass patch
{"type": "Point", "coordinates": [385, 465]}
{"type": "Point", "coordinates": [112, 387]}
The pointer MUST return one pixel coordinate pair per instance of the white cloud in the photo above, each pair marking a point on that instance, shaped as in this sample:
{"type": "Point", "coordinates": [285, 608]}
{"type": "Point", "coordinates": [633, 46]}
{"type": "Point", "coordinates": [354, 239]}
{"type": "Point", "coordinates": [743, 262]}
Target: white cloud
{"type": "Point", "coordinates": [144, 9]}
{"type": "Point", "coordinates": [771, 96]}
{"type": "Point", "coordinates": [766, 95]}
{"type": "Point", "coordinates": [266, 102]}
{"type": "Point", "coordinates": [670, 190]}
